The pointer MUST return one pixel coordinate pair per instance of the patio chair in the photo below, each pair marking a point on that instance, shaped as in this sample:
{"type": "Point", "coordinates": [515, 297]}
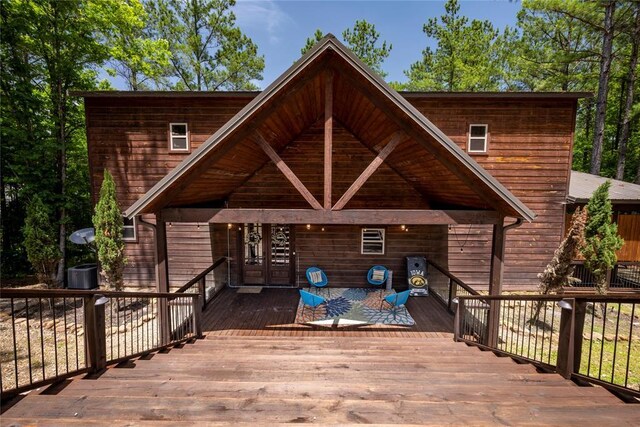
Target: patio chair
{"type": "Point", "coordinates": [317, 279]}
{"type": "Point", "coordinates": [311, 300]}
{"type": "Point", "coordinates": [396, 301]}
{"type": "Point", "coordinates": [377, 275]}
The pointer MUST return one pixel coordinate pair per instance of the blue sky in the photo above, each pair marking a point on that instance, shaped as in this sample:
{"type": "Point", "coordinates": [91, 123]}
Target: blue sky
{"type": "Point", "coordinates": [280, 27]}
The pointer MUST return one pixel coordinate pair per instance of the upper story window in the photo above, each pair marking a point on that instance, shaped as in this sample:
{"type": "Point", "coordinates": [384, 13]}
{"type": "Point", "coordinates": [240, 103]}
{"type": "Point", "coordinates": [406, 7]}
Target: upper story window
{"type": "Point", "coordinates": [477, 139]}
{"type": "Point", "coordinates": [372, 241]}
{"type": "Point", "coordinates": [129, 229]}
{"type": "Point", "coordinates": [179, 137]}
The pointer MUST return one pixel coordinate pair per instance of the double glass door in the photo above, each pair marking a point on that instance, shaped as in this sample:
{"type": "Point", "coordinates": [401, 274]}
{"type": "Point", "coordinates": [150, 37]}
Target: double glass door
{"type": "Point", "coordinates": [267, 254]}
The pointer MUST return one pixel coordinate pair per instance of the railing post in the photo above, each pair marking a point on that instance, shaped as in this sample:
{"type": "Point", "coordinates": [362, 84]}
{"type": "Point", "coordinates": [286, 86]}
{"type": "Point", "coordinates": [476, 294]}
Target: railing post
{"type": "Point", "coordinates": [457, 321]}
{"type": "Point", "coordinates": [197, 316]}
{"type": "Point", "coordinates": [451, 296]}
{"type": "Point", "coordinates": [201, 291]}
{"type": "Point", "coordinates": [570, 337]}
{"type": "Point", "coordinates": [493, 324]}
{"type": "Point", "coordinates": [95, 337]}
{"type": "Point", "coordinates": [608, 278]}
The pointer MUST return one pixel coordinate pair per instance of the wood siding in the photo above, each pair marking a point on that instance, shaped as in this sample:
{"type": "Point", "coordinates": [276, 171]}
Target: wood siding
{"type": "Point", "coordinates": [337, 251]}
{"type": "Point", "coordinates": [130, 137]}
{"type": "Point", "coordinates": [529, 151]}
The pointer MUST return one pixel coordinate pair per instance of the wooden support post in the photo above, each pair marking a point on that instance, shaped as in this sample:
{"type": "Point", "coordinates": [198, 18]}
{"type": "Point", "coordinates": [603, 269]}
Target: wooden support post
{"type": "Point", "coordinates": [495, 282]}
{"type": "Point", "coordinates": [162, 278]}
{"type": "Point", "coordinates": [197, 315]}
{"type": "Point", "coordinates": [328, 138]}
{"type": "Point", "coordinates": [451, 295]}
{"type": "Point", "coordinates": [95, 335]}
{"type": "Point", "coordinates": [570, 337]}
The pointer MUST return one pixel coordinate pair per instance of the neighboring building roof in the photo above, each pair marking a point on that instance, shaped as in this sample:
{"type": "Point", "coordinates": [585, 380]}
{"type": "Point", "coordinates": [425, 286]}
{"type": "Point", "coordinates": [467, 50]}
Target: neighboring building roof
{"type": "Point", "coordinates": [458, 162]}
{"type": "Point", "coordinates": [583, 185]}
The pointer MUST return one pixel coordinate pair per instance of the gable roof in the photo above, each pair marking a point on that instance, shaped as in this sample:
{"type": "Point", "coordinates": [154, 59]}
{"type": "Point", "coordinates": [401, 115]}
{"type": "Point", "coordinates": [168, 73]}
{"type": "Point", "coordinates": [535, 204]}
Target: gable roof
{"type": "Point", "coordinates": [444, 149]}
{"type": "Point", "coordinates": [583, 185]}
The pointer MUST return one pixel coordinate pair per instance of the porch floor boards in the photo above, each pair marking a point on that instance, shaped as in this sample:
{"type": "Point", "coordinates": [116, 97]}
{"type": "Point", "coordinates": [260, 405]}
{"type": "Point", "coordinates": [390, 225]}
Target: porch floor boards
{"type": "Point", "coordinates": [272, 313]}
{"type": "Point", "coordinates": [256, 368]}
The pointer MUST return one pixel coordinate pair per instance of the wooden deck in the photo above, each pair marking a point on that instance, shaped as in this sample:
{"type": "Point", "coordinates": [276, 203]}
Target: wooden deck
{"type": "Point", "coordinates": [237, 375]}
{"type": "Point", "coordinates": [272, 313]}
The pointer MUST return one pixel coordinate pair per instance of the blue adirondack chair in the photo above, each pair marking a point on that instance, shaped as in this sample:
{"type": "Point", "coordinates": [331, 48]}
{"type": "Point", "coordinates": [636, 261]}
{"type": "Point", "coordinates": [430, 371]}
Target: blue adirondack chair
{"type": "Point", "coordinates": [311, 300]}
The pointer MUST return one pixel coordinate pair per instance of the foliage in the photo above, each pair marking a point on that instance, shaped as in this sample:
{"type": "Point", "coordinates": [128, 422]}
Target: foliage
{"type": "Point", "coordinates": [601, 237]}
{"type": "Point", "coordinates": [362, 39]}
{"type": "Point", "coordinates": [108, 224]}
{"type": "Point", "coordinates": [137, 58]}
{"type": "Point", "coordinates": [208, 52]}
{"type": "Point", "coordinates": [558, 273]}
{"type": "Point", "coordinates": [40, 241]}
{"type": "Point", "coordinates": [463, 59]}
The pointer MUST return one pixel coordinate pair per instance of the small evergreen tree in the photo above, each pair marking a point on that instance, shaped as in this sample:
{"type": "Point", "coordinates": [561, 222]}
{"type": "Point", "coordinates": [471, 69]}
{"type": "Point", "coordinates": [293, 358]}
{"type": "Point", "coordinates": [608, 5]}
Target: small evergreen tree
{"type": "Point", "coordinates": [107, 221]}
{"type": "Point", "coordinates": [41, 241]}
{"type": "Point", "coordinates": [601, 237]}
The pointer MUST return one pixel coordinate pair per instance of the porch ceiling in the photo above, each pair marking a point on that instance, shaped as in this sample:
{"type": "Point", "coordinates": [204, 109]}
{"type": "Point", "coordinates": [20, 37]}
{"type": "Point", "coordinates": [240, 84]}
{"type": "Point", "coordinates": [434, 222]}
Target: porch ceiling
{"type": "Point", "coordinates": [426, 159]}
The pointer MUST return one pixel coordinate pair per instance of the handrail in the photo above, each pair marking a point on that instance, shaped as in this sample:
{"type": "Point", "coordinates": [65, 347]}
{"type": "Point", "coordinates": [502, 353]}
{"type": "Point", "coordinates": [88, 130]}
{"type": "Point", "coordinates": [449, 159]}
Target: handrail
{"type": "Point", "coordinates": [454, 287]}
{"type": "Point", "coordinates": [454, 278]}
{"type": "Point", "coordinates": [56, 334]}
{"type": "Point", "coordinates": [196, 279]}
{"type": "Point", "coordinates": [587, 337]}
{"type": "Point", "coordinates": [201, 281]}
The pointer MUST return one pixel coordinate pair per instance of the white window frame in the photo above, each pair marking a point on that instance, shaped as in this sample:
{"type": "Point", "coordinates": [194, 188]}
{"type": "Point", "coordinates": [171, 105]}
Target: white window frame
{"type": "Point", "coordinates": [135, 230]}
{"type": "Point", "coordinates": [186, 135]}
{"type": "Point", "coordinates": [485, 139]}
{"type": "Point", "coordinates": [363, 230]}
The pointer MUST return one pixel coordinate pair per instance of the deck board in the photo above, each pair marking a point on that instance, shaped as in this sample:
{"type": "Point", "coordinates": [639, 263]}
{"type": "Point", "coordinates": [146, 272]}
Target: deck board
{"type": "Point", "coordinates": [257, 368]}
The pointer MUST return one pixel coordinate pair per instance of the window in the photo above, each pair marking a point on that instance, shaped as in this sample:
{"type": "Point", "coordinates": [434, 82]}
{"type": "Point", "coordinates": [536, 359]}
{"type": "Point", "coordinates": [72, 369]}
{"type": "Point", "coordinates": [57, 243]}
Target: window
{"type": "Point", "coordinates": [129, 229]}
{"type": "Point", "coordinates": [372, 241]}
{"type": "Point", "coordinates": [477, 139]}
{"type": "Point", "coordinates": [179, 137]}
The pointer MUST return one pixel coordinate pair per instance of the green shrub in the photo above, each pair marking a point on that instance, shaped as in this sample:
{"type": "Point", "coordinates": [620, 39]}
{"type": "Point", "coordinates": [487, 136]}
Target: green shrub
{"type": "Point", "coordinates": [41, 242]}
{"type": "Point", "coordinates": [601, 237]}
{"type": "Point", "coordinates": [108, 224]}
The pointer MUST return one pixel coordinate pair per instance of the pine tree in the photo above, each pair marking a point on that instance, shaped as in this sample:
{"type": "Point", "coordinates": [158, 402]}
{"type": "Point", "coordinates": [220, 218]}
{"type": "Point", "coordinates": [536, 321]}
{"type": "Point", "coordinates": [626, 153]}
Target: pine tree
{"type": "Point", "coordinates": [108, 223]}
{"type": "Point", "coordinates": [601, 237]}
{"type": "Point", "coordinates": [40, 242]}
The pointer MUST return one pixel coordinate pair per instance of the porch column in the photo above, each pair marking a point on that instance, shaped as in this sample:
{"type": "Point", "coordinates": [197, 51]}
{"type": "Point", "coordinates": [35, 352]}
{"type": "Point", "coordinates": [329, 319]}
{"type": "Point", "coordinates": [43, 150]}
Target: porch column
{"type": "Point", "coordinates": [495, 281]}
{"type": "Point", "coordinates": [162, 278]}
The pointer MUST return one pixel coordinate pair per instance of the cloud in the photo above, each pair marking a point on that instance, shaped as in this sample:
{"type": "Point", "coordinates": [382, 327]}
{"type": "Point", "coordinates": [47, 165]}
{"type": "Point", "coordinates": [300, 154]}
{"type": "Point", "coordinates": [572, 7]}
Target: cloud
{"type": "Point", "coordinates": [263, 15]}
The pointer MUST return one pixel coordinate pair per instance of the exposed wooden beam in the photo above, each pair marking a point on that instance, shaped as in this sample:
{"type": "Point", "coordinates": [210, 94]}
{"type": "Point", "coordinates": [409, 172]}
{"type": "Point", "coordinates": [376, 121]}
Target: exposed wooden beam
{"type": "Point", "coordinates": [288, 173]}
{"type": "Point", "coordinates": [495, 281]}
{"type": "Point", "coordinates": [346, 216]}
{"type": "Point", "coordinates": [328, 137]}
{"type": "Point", "coordinates": [366, 174]}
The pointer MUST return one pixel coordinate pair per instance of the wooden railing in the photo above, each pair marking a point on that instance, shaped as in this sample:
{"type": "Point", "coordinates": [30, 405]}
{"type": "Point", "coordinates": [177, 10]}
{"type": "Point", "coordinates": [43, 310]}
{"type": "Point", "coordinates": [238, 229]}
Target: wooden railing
{"type": "Point", "coordinates": [207, 288]}
{"type": "Point", "coordinates": [623, 276]}
{"type": "Point", "coordinates": [591, 338]}
{"type": "Point", "coordinates": [50, 335]}
{"type": "Point", "coordinates": [445, 286]}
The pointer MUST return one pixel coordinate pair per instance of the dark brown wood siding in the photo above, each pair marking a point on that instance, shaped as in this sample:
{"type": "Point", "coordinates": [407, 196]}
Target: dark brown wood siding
{"type": "Point", "coordinates": [129, 137]}
{"type": "Point", "coordinates": [529, 152]}
{"type": "Point", "coordinates": [336, 249]}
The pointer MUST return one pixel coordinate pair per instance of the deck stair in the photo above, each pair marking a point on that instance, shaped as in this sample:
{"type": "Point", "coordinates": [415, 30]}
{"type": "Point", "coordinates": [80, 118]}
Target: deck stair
{"type": "Point", "coordinates": [327, 380]}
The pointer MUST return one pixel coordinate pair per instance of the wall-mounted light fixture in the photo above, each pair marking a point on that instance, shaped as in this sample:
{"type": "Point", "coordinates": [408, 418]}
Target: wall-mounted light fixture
{"type": "Point", "coordinates": [308, 226]}
{"type": "Point", "coordinates": [402, 227]}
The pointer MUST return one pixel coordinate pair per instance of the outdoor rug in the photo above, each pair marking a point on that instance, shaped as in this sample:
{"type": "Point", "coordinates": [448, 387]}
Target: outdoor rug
{"type": "Point", "coordinates": [353, 306]}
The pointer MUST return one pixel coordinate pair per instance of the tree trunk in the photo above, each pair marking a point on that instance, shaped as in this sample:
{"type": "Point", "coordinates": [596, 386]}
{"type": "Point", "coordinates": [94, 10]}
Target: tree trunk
{"type": "Point", "coordinates": [59, 104]}
{"type": "Point", "coordinates": [603, 88]}
{"type": "Point", "coordinates": [626, 115]}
